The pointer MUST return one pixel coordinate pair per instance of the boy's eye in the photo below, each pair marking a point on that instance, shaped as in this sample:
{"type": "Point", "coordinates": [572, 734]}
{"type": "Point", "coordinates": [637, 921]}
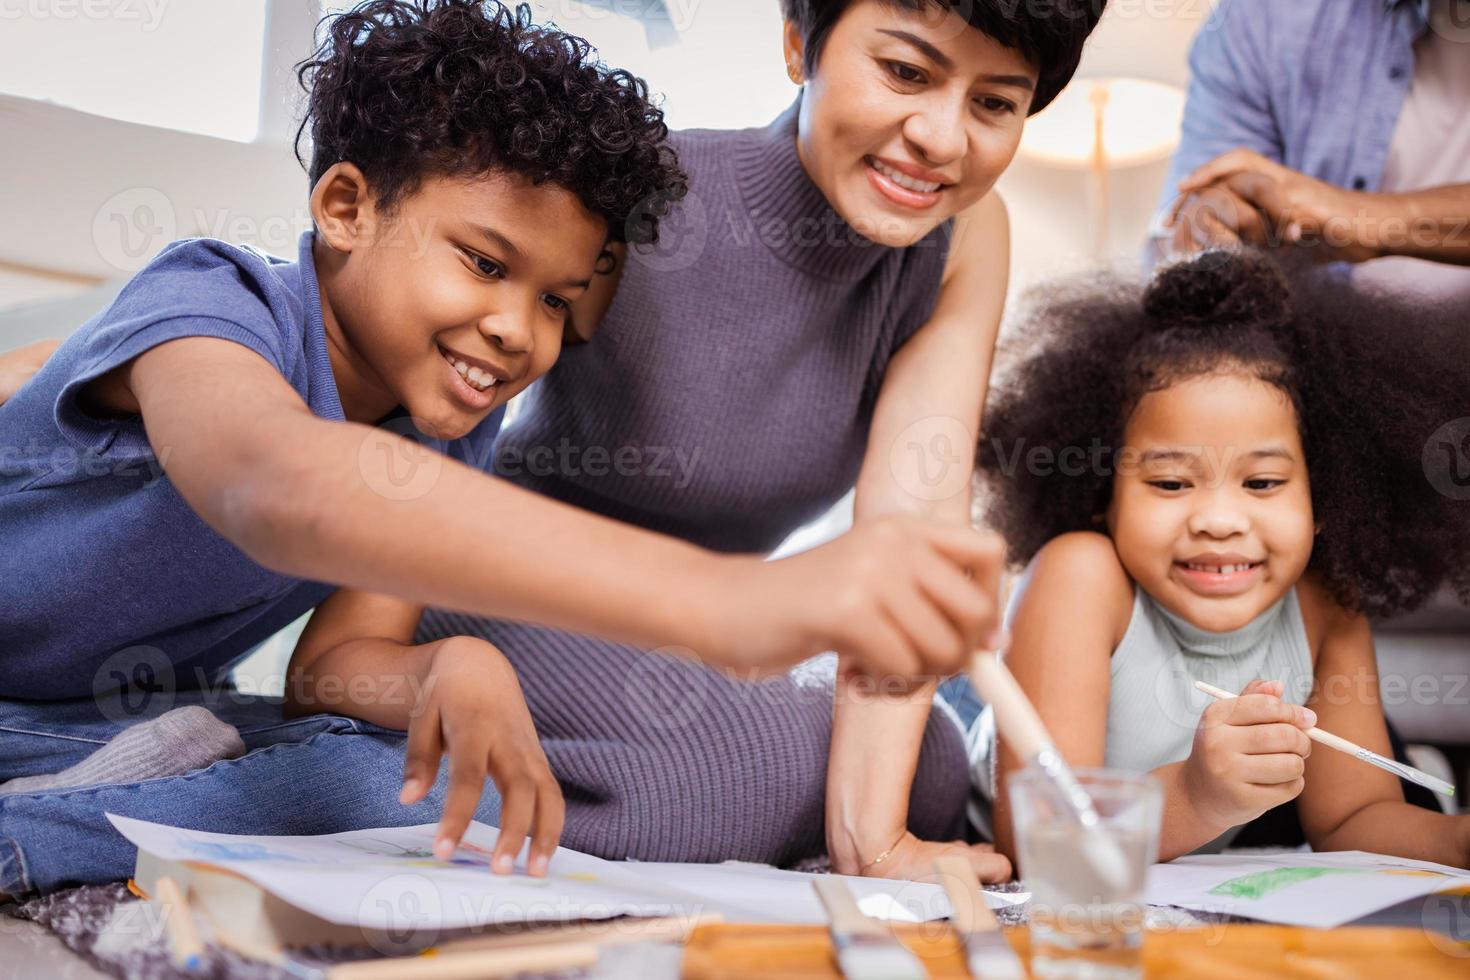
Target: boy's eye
{"type": "Point", "coordinates": [488, 268]}
{"type": "Point", "coordinates": [904, 72]}
{"type": "Point", "coordinates": [556, 303]}
{"type": "Point", "coordinates": [997, 105]}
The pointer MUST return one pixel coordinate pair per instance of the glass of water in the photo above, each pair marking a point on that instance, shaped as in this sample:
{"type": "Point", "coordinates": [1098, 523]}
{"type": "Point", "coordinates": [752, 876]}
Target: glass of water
{"type": "Point", "coordinates": [1086, 914]}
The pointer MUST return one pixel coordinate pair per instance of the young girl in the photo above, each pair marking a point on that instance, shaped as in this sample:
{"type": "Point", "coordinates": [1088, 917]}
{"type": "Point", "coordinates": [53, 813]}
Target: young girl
{"type": "Point", "coordinates": [1221, 478]}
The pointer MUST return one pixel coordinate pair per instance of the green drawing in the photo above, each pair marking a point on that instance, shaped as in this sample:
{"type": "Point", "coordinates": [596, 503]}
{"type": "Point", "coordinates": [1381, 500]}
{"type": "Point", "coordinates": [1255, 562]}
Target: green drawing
{"type": "Point", "coordinates": [1262, 883]}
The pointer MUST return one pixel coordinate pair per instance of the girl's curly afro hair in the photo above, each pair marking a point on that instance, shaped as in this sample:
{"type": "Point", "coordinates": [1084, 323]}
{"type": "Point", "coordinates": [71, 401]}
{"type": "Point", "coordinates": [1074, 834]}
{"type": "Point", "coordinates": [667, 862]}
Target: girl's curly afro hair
{"type": "Point", "coordinates": [1381, 386]}
{"type": "Point", "coordinates": [406, 89]}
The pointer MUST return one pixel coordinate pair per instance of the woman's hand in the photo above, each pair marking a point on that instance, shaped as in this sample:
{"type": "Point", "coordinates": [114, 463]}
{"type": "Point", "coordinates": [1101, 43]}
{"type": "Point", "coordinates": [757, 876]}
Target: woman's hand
{"type": "Point", "coordinates": [17, 366]}
{"type": "Point", "coordinates": [1249, 755]}
{"type": "Point", "coordinates": [913, 860]}
{"type": "Point", "coordinates": [471, 708]}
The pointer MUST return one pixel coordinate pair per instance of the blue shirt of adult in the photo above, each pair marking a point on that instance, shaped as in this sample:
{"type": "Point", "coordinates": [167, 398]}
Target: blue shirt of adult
{"type": "Point", "coordinates": [1316, 85]}
{"type": "Point", "coordinates": [107, 577]}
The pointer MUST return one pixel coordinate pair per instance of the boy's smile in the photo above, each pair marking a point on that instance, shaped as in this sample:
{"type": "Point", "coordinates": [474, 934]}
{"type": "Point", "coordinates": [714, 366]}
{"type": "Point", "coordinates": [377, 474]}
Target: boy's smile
{"type": "Point", "coordinates": [1212, 513]}
{"type": "Point", "coordinates": [457, 300]}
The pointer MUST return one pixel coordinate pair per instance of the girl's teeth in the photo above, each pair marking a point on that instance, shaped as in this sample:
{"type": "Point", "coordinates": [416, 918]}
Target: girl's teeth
{"type": "Point", "coordinates": [1220, 569]}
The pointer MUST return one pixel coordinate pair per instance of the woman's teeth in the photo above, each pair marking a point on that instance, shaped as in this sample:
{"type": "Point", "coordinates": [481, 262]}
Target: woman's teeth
{"type": "Point", "coordinates": [904, 180]}
{"type": "Point", "coordinates": [477, 379]}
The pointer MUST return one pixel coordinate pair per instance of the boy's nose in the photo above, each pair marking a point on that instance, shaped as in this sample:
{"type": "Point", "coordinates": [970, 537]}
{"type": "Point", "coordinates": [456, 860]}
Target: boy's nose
{"type": "Point", "coordinates": [507, 331]}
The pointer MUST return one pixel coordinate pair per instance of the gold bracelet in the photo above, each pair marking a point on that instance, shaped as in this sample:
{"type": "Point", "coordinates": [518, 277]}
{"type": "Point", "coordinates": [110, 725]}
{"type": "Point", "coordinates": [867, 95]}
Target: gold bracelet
{"type": "Point", "coordinates": [884, 856]}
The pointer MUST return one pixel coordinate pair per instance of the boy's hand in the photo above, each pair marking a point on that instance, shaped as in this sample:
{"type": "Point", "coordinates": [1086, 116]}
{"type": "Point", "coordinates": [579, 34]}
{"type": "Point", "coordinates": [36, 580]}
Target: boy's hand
{"type": "Point", "coordinates": [1249, 755]}
{"type": "Point", "coordinates": [897, 597]}
{"type": "Point", "coordinates": [472, 710]}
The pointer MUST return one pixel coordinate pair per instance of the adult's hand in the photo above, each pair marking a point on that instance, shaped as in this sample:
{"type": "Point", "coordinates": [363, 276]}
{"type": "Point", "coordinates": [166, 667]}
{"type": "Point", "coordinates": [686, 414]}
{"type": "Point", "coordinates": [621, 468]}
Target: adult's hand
{"type": "Point", "coordinates": [1335, 223]}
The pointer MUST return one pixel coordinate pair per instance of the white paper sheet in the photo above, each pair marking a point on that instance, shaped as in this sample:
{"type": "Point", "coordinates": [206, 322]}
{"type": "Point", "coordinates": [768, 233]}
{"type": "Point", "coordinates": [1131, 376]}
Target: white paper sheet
{"type": "Point", "coordinates": [387, 879]}
{"type": "Point", "coordinates": [1317, 889]}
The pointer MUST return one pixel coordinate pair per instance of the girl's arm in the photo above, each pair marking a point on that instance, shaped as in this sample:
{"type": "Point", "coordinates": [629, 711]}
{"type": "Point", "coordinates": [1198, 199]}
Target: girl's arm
{"type": "Point", "coordinates": [919, 460]}
{"type": "Point", "coordinates": [1347, 804]}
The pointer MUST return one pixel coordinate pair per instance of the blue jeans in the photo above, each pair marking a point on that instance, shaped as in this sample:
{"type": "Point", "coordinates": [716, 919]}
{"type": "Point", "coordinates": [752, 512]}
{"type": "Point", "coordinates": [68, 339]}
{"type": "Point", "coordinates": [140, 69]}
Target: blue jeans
{"type": "Point", "coordinates": [317, 775]}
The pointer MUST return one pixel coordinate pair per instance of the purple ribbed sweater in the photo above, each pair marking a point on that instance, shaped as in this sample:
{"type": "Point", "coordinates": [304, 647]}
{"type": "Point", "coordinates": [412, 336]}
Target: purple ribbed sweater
{"type": "Point", "coordinates": [726, 398]}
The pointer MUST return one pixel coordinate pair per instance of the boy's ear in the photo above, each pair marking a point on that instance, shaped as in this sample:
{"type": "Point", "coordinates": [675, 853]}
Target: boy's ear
{"type": "Point", "coordinates": [794, 48]}
{"type": "Point", "coordinates": [342, 207]}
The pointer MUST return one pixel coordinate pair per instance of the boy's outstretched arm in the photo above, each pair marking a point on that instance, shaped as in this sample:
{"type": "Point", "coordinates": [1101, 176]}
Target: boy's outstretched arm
{"type": "Point", "coordinates": [317, 499]}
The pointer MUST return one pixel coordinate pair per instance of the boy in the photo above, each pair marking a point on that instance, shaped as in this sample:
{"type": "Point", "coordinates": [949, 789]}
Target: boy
{"type": "Point", "coordinates": [188, 471]}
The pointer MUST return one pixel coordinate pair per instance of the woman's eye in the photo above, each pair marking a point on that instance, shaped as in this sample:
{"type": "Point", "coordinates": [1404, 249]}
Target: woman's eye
{"type": "Point", "coordinates": [998, 105]}
{"type": "Point", "coordinates": [904, 72]}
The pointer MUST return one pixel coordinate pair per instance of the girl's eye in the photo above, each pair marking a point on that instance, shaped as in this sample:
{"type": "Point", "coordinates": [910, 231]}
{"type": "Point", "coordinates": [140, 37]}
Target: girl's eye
{"type": "Point", "coordinates": [904, 72]}
{"type": "Point", "coordinates": [1263, 484]}
{"type": "Point", "coordinates": [1168, 486]}
{"type": "Point", "coordinates": [998, 105]}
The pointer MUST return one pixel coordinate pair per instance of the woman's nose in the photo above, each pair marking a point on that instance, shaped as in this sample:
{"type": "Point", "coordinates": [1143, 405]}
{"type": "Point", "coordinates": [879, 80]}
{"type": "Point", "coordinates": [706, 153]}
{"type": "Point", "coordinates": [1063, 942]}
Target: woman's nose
{"type": "Point", "coordinates": [937, 132]}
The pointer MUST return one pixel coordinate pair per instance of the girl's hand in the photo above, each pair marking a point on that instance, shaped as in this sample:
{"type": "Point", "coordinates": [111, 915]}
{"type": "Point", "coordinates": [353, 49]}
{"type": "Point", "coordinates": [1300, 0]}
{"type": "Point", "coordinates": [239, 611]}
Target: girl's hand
{"type": "Point", "coordinates": [1249, 755]}
{"type": "Point", "coordinates": [472, 709]}
{"type": "Point", "coordinates": [912, 859]}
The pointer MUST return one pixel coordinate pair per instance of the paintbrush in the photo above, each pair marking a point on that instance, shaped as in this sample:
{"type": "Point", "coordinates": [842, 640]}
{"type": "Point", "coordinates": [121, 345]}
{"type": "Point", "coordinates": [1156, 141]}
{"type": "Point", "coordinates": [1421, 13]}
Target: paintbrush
{"type": "Point", "coordinates": [987, 953]}
{"type": "Point", "coordinates": [865, 949]}
{"type": "Point", "coordinates": [1017, 721]}
{"type": "Point", "coordinates": [1356, 751]}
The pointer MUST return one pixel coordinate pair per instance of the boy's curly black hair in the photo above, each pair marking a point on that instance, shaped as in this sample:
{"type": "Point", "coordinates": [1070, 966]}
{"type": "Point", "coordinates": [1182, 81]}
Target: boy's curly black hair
{"type": "Point", "coordinates": [406, 89]}
{"type": "Point", "coordinates": [1373, 378]}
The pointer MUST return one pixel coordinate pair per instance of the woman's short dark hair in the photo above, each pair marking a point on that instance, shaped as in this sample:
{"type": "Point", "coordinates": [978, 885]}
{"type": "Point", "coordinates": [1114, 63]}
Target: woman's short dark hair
{"type": "Point", "coordinates": [407, 89]}
{"type": "Point", "coordinates": [1049, 33]}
